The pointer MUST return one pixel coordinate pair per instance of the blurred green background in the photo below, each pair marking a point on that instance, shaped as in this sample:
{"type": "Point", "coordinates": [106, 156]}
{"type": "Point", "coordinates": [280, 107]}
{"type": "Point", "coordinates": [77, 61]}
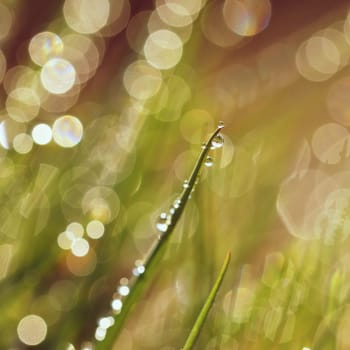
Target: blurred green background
{"type": "Point", "coordinates": [104, 107]}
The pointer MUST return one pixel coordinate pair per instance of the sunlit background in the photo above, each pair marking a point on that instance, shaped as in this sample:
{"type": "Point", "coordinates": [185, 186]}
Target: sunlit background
{"type": "Point", "coordinates": [104, 107]}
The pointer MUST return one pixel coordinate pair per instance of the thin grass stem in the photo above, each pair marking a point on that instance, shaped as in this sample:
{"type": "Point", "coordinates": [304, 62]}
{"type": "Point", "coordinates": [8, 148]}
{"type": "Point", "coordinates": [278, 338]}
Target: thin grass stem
{"type": "Point", "coordinates": [207, 306]}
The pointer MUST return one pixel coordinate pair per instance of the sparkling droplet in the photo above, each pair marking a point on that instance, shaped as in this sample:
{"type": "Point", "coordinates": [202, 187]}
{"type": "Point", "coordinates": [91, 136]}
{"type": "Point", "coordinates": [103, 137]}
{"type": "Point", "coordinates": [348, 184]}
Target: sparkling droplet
{"type": "Point", "coordinates": [116, 305]}
{"type": "Point", "coordinates": [217, 141]}
{"type": "Point", "coordinates": [123, 290]}
{"type": "Point", "coordinates": [162, 225]}
{"type": "Point", "coordinates": [209, 162]}
{"type": "Point", "coordinates": [221, 124]}
{"type": "Point", "coordinates": [186, 184]}
{"type": "Point", "coordinates": [139, 268]}
{"type": "Point", "coordinates": [100, 333]}
{"type": "Point", "coordinates": [203, 145]}
{"type": "Point", "coordinates": [172, 211]}
{"type": "Point", "coordinates": [177, 203]}
{"type": "Point", "coordinates": [106, 322]}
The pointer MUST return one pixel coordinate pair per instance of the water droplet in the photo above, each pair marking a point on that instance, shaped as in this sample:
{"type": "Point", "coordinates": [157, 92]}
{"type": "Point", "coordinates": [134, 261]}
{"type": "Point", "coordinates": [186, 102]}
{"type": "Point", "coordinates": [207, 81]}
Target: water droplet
{"type": "Point", "coordinates": [116, 305]}
{"type": "Point", "coordinates": [177, 203]}
{"type": "Point", "coordinates": [186, 184]}
{"type": "Point", "coordinates": [203, 145]}
{"type": "Point", "coordinates": [217, 141]}
{"type": "Point", "coordinates": [172, 211]}
{"type": "Point", "coordinates": [221, 124]}
{"type": "Point", "coordinates": [209, 162]}
{"type": "Point", "coordinates": [106, 322]}
{"type": "Point", "coordinates": [123, 290]}
{"type": "Point", "coordinates": [139, 268]}
{"type": "Point", "coordinates": [100, 333]}
{"type": "Point", "coordinates": [162, 224]}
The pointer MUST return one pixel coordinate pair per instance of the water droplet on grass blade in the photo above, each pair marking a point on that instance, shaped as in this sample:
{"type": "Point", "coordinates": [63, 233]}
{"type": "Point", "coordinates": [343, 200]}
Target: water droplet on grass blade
{"type": "Point", "coordinates": [217, 142]}
{"type": "Point", "coordinates": [177, 203]}
{"type": "Point", "coordinates": [139, 268]}
{"type": "Point", "coordinates": [221, 124]}
{"type": "Point", "coordinates": [116, 305]}
{"type": "Point", "coordinates": [100, 333]}
{"type": "Point", "coordinates": [186, 184]}
{"type": "Point", "coordinates": [162, 223]}
{"type": "Point", "coordinates": [209, 162]}
{"type": "Point", "coordinates": [106, 322]}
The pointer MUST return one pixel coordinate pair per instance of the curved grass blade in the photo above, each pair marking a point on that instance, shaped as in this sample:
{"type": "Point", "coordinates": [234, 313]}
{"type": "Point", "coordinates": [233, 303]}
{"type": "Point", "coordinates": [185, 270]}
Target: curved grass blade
{"type": "Point", "coordinates": [207, 306]}
{"type": "Point", "coordinates": [137, 283]}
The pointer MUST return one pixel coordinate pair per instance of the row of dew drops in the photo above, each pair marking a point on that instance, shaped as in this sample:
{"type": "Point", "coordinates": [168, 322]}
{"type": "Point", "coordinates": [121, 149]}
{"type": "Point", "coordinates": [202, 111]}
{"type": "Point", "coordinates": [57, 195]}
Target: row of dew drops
{"type": "Point", "coordinates": [164, 220]}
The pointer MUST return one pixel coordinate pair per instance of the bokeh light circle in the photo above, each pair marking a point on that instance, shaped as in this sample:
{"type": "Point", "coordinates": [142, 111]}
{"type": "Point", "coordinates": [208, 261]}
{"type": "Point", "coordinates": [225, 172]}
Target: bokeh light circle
{"type": "Point", "coordinates": [101, 203]}
{"type": "Point", "coordinates": [84, 53]}
{"type": "Point", "coordinates": [75, 230]}
{"type": "Point", "coordinates": [67, 131]}
{"type": "Point", "coordinates": [141, 80]}
{"type": "Point", "coordinates": [58, 76]}
{"type": "Point", "coordinates": [163, 49]}
{"type": "Point", "coordinates": [173, 14]}
{"type": "Point", "coordinates": [95, 229]}
{"type": "Point", "coordinates": [86, 16]}
{"type": "Point", "coordinates": [248, 17]}
{"type": "Point", "coordinates": [63, 241]}
{"type": "Point", "coordinates": [331, 143]}
{"type": "Point", "coordinates": [322, 55]}
{"type": "Point", "coordinates": [44, 46]}
{"type": "Point", "coordinates": [80, 247]}
{"type": "Point", "coordinates": [32, 330]}
{"type": "Point", "coordinates": [42, 134]}
{"type": "Point", "coordinates": [22, 143]}
{"type": "Point", "coordinates": [22, 104]}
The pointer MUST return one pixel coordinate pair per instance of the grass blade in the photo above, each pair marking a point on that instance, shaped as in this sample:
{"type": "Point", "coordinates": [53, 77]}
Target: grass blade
{"type": "Point", "coordinates": [137, 282]}
{"type": "Point", "coordinates": [207, 306]}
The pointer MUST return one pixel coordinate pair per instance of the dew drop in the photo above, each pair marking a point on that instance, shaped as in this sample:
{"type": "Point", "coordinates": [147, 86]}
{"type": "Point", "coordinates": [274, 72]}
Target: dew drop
{"type": "Point", "coordinates": [106, 322]}
{"type": "Point", "coordinates": [217, 142]}
{"type": "Point", "coordinates": [186, 184]}
{"type": "Point", "coordinates": [162, 224]}
{"type": "Point", "coordinates": [116, 305]}
{"type": "Point", "coordinates": [203, 145]}
{"type": "Point", "coordinates": [123, 290]}
{"type": "Point", "coordinates": [209, 162]}
{"type": "Point", "coordinates": [139, 268]}
{"type": "Point", "coordinates": [100, 333]}
{"type": "Point", "coordinates": [177, 203]}
{"type": "Point", "coordinates": [221, 124]}
{"type": "Point", "coordinates": [172, 211]}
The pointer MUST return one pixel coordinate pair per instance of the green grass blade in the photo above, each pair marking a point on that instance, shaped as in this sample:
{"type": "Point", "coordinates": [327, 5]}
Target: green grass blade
{"type": "Point", "coordinates": [207, 306]}
{"type": "Point", "coordinates": [150, 262]}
